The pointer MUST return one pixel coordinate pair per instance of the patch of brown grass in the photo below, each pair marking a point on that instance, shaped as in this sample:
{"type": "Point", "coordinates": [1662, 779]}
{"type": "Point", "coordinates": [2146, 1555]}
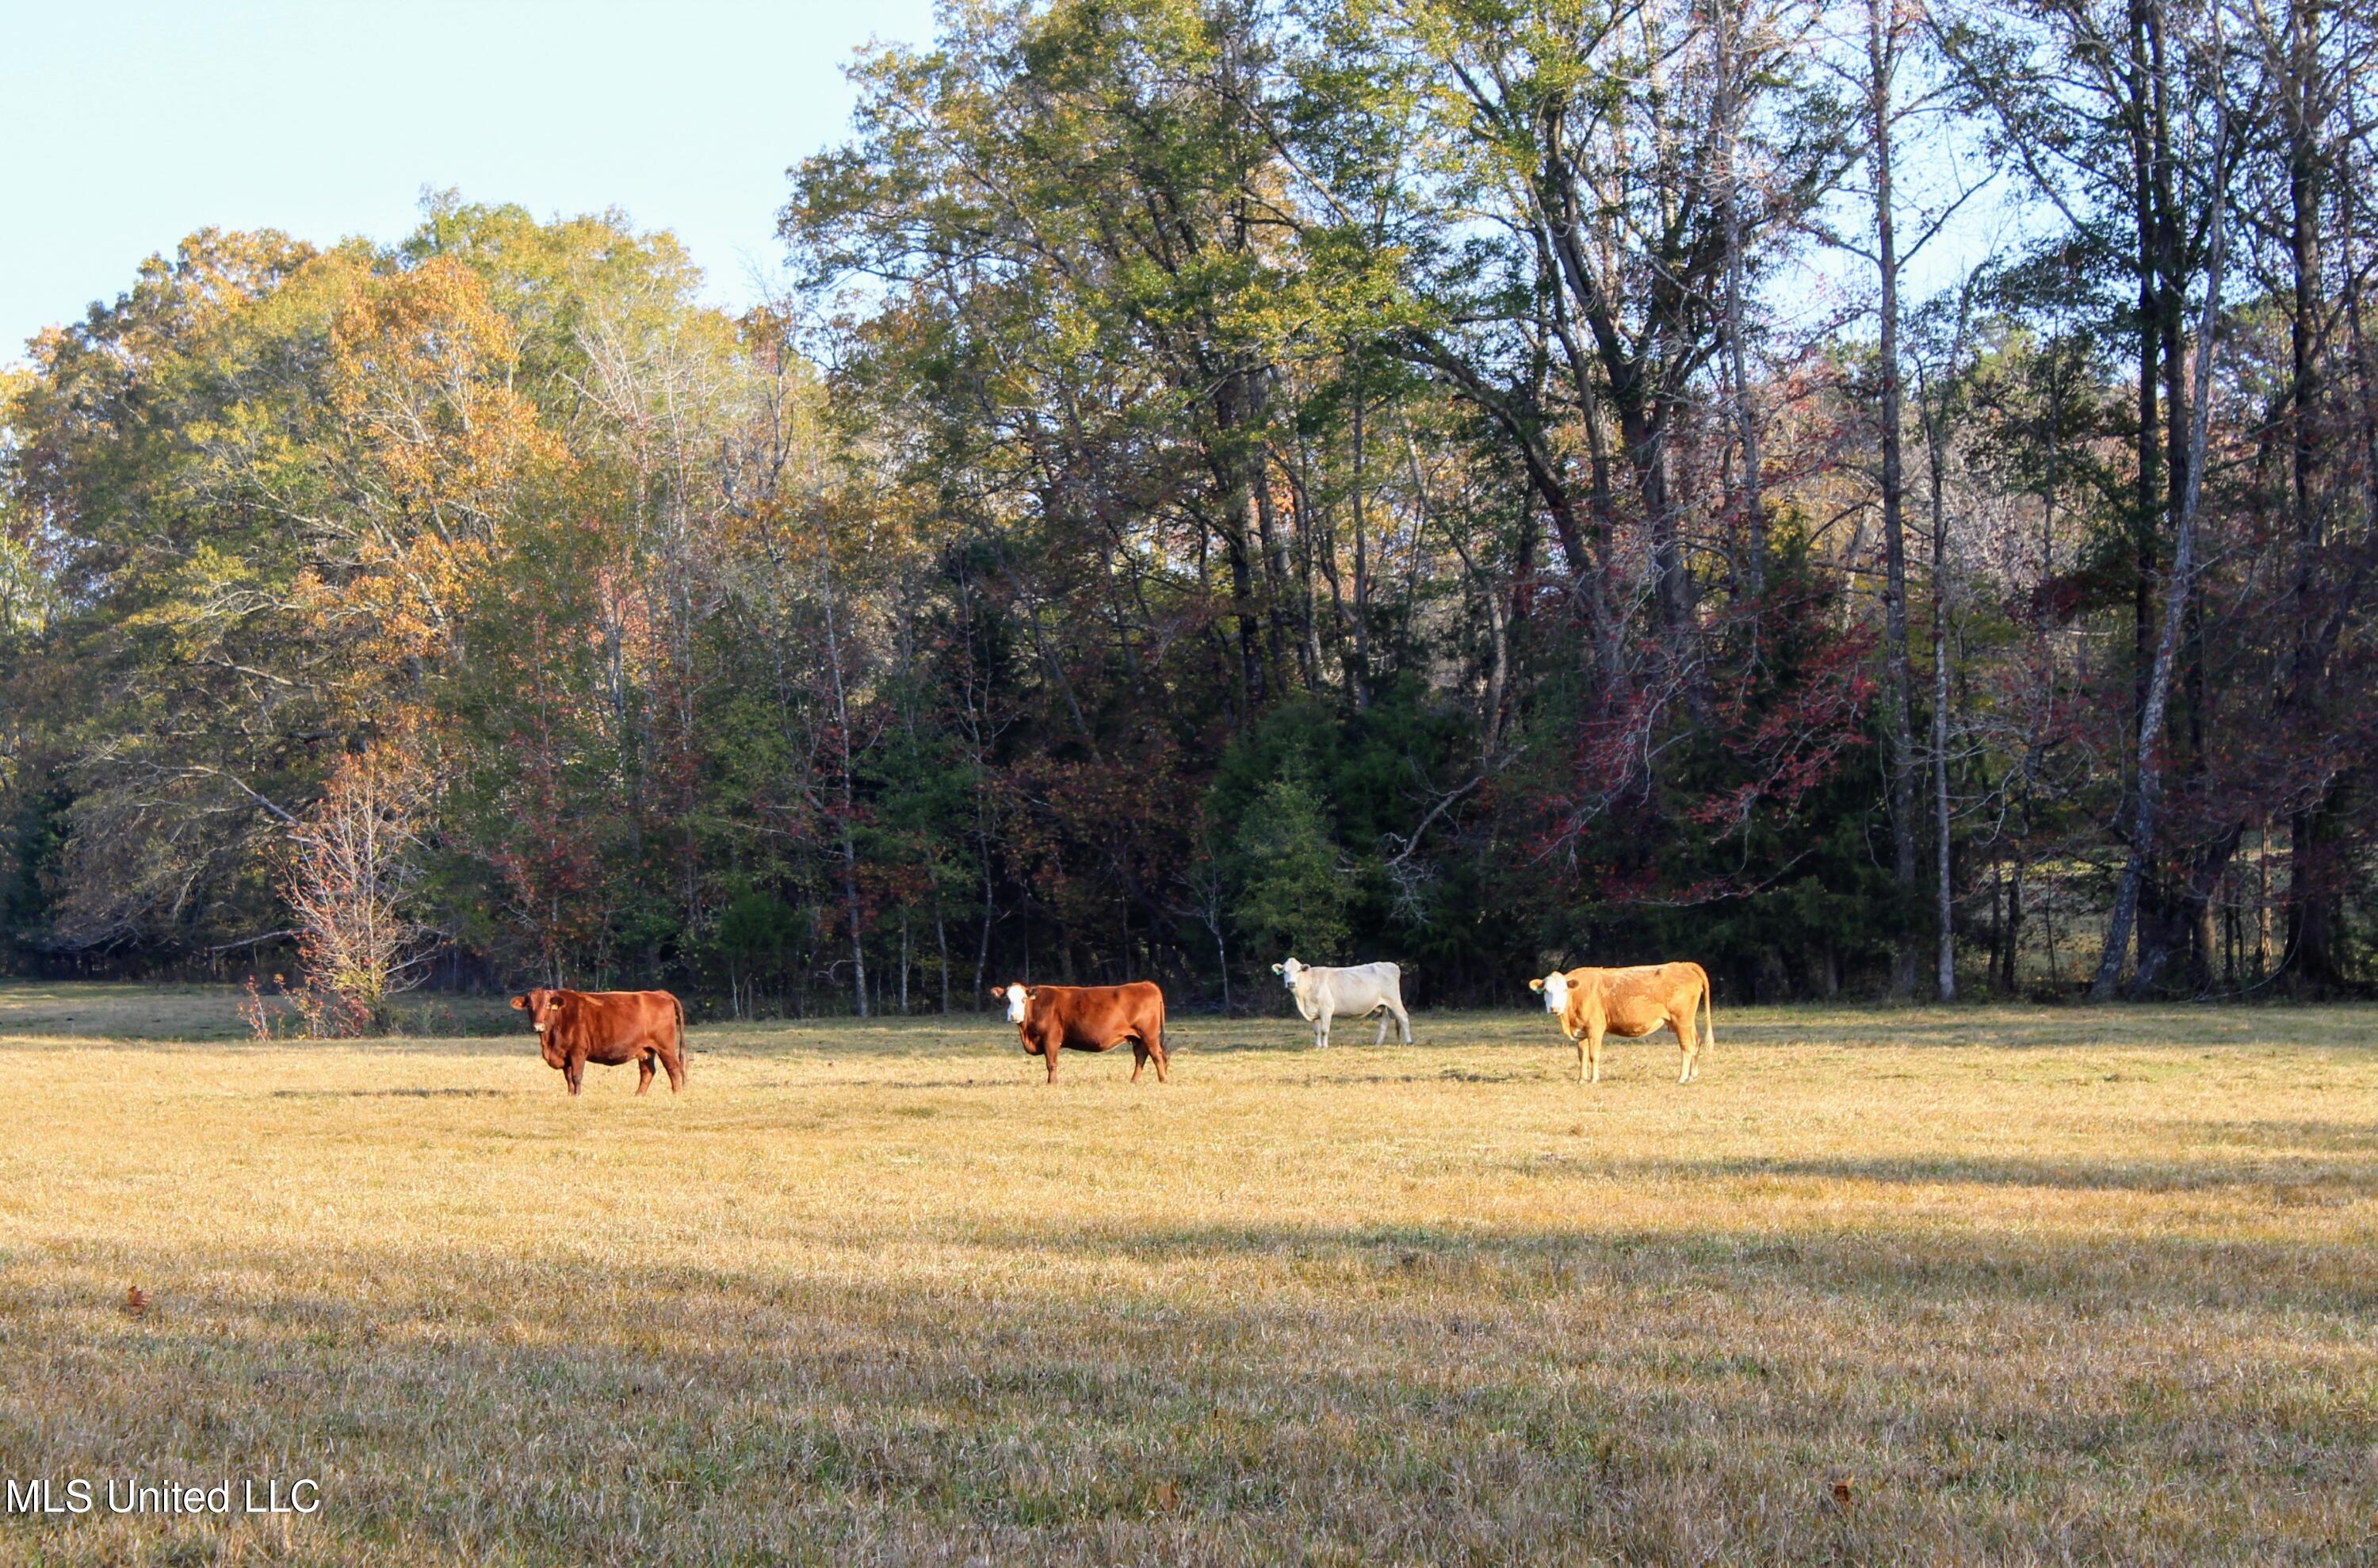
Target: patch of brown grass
{"type": "Point", "coordinates": [1999, 1284]}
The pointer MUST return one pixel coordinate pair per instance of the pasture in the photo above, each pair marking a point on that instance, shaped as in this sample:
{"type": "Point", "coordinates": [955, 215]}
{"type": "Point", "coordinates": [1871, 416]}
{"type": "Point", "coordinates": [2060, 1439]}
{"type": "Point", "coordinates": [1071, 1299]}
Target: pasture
{"type": "Point", "coordinates": [2007, 1284]}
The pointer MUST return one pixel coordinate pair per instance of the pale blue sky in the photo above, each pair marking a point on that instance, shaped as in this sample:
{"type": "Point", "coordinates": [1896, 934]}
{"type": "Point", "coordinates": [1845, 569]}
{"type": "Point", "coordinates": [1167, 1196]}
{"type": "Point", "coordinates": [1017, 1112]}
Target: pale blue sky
{"type": "Point", "coordinates": [127, 125]}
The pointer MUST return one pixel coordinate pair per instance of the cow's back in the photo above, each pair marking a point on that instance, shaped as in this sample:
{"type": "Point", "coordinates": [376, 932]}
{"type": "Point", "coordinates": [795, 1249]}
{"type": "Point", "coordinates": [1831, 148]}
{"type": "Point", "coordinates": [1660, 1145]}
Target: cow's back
{"type": "Point", "coordinates": [1134, 1007]}
{"type": "Point", "coordinates": [608, 1023]}
{"type": "Point", "coordinates": [1351, 988]}
{"type": "Point", "coordinates": [1642, 998]}
{"type": "Point", "coordinates": [1098, 1016]}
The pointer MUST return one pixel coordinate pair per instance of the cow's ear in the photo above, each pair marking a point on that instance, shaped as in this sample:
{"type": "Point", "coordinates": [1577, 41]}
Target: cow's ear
{"type": "Point", "coordinates": [1535, 985]}
{"type": "Point", "coordinates": [1276, 969]}
{"type": "Point", "coordinates": [521, 1002]}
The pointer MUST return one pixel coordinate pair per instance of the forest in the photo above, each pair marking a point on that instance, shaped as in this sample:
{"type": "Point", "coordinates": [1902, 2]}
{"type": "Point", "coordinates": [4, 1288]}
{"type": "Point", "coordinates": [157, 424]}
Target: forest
{"type": "Point", "coordinates": [1878, 497]}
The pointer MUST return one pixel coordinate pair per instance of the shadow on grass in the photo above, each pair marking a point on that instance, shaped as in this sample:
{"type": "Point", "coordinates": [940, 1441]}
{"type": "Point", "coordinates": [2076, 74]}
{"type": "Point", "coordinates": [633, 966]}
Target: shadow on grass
{"type": "Point", "coordinates": [1228, 1394]}
{"type": "Point", "coordinates": [2151, 1176]}
{"type": "Point", "coordinates": [1891, 1267]}
{"type": "Point", "coordinates": [2313, 1135]}
{"type": "Point", "coordinates": [394, 1093]}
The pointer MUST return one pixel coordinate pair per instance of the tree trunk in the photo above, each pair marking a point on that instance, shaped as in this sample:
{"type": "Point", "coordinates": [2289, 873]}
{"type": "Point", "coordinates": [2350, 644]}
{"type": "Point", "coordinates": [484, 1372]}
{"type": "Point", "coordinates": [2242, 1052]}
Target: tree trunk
{"type": "Point", "coordinates": [2309, 953]}
{"type": "Point", "coordinates": [1239, 541]}
{"type": "Point", "coordinates": [2010, 981]}
{"type": "Point", "coordinates": [982, 941]}
{"type": "Point", "coordinates": [858, 931]}
{"type": "Point", "coordinates": [941, 952]}
{"type": "Point", "coordinates": [2149, 497]}
{"type": "Point", "coordinates": [849, 797]}
{"type": "Point", "coordinates": [1935, 446]}
{"type": "Point", "coordinates": [1362, 572]}
{"type": "Point", "coordinates": [1881, 51]}
{"type": "Point", "coordinates": [1748, 500]}
{"type": "Point", "coordinates": [2146, 793]}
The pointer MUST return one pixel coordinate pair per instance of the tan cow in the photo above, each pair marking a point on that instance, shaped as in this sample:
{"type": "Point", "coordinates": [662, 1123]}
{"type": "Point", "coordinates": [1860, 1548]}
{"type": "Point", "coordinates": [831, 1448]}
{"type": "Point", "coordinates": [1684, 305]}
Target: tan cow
{"type": "Point", "coordinates": [1630, 1003]}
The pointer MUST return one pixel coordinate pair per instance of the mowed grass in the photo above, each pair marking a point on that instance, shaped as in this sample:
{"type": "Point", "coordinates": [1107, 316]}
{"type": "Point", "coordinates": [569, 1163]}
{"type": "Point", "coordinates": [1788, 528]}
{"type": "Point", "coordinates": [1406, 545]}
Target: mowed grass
{"type": "Point", "coordinates": [2021, 1285]}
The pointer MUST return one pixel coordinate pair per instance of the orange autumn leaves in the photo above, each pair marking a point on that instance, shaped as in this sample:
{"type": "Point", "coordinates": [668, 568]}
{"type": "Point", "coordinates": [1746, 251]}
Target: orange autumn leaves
{"type": "Point", "coordinates": [442, 446]}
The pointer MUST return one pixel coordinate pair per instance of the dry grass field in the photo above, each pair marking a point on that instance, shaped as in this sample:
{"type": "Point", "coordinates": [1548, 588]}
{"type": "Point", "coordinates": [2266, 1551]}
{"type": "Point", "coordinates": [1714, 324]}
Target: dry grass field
{"type": "Point", "coordinates": [1977, 1286]}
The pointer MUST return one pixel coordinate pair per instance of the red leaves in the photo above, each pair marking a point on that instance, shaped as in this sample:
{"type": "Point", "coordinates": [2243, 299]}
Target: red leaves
{"type": "Point", "coordinates": [1795, 744]}
{"type": "Point", "coordinates": [1773, 716]}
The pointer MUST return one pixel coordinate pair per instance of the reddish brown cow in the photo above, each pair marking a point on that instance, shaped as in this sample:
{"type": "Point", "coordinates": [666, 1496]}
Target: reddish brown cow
{"type": "Point", "coordinates": [574, 1028]}
{"type": "Point", "coordinates": [1089, 1018]}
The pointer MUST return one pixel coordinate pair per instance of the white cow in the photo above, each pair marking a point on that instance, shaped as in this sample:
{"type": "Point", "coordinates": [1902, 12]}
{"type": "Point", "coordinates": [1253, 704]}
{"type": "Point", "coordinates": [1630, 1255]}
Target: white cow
{"type": "Point", "coordinates": [1357, 992]}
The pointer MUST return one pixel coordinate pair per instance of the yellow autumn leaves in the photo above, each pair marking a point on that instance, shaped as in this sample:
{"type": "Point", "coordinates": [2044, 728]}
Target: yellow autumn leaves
{"type": "Point", "coordinates": [440, 440]}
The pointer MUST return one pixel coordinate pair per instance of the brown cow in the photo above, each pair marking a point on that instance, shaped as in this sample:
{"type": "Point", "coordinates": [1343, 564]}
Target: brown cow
{"type": "Point", "coordinates": [1629, 1003]}
{"type": "Point", "coordinates": [574, 1028]}
{"type": "Point", "coordinates": [1088, 1018]}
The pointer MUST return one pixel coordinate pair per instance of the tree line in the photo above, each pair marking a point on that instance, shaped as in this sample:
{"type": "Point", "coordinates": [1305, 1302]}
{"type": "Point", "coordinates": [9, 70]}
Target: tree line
{"type": "Point", "coordinates": [1876, 497]}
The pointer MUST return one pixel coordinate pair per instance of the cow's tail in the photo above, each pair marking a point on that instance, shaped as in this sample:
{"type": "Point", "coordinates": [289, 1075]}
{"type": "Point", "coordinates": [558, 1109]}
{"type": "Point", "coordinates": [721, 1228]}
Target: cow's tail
{"type": "Point", "coordinates": [1709, 1010]}
{"type": "Point", "coordinates": [683, 1069]}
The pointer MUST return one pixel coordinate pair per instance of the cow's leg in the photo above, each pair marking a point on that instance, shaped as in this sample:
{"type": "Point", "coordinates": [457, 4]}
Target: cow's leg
{"type": "Point", "coordinates": [1049, 1055]}
{"type": "Point", "coordinates": [573, 1070]}
{"type": "Point", "coordinates": [1156, 1053]}
{"type": "Point", "coordinates": [1593, 1053]}
{"type": "Point", "coordinates": [1138, 1058]}
{"type": "Point", "coordinates": [644, 1072]}
{"type": "Point", "coordinates": [674, 1060]}
{"type": "Point", "coordinates": [1321, 1022]}
{"type": "Point", "coordinates": [1687, 1041]}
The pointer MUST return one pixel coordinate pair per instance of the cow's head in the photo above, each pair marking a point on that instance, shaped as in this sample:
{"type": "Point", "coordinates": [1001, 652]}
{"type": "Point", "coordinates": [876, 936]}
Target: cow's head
{"type": "Point", "coordinates": [538, 1005]}
{"type": "Point", "coordinates": [1555, 989]}
{"type": "Point", "coordinates": [543, 1007]}
{"type": "Point", "coordinates": [1288, 970]}
{"type": "Point", "coordinates": [1016, 996]}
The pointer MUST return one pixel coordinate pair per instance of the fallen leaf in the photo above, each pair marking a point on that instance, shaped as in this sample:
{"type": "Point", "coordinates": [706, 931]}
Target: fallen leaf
{"type": "Point", "coordinates": [135, 1300]}
{"type": "Point", "coordinates": [1842, 1493]}
{"type": "Point", "coordinates": [1168, 1496]}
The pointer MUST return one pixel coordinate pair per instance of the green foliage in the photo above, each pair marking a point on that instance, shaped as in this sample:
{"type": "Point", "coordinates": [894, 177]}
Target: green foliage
{"type": "Point", "coordinates": [1281, 485]}
{"type": "Point", "coordinates": [1291, 895]}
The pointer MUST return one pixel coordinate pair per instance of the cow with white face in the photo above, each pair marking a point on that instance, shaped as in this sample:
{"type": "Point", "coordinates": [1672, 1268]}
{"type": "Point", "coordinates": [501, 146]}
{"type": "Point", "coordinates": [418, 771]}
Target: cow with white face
{"type": "Point", "coordinates": [1050, 1018]}
{"type": "Point", "coordinates": [1630, 1003]}
{"type": "Point", "coordinates": [1359, 991]}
